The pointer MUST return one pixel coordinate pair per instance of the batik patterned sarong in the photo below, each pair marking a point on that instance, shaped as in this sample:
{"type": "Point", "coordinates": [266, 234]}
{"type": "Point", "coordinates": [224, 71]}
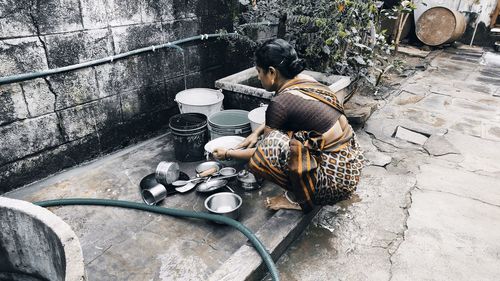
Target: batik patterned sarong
{"type": "Point", "coordinates": [317, 170]}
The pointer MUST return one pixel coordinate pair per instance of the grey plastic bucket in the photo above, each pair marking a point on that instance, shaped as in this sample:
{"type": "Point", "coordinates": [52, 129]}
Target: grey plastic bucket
{"type": "Point", "coordinates": [232, 122]}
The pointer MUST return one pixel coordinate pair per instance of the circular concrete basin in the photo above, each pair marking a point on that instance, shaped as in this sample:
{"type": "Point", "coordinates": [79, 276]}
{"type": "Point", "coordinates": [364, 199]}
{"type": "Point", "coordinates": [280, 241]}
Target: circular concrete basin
{"type": "Point", "coordinates": [37, 245]}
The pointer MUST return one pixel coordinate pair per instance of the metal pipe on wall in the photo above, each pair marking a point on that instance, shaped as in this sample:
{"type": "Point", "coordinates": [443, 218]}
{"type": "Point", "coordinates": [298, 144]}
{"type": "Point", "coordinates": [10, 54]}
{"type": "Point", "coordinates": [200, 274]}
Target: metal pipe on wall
{"type": "Point", "coordinates": [44, 73]}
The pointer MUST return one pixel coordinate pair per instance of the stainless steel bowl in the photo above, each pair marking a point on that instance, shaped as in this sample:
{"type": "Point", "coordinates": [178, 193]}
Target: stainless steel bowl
{"type": "Point", "coordinates": [227, 171]}
{"type": "Point", "coordinates": [224, 203]}
{"type": "Point", "coordinates": [208, 165]}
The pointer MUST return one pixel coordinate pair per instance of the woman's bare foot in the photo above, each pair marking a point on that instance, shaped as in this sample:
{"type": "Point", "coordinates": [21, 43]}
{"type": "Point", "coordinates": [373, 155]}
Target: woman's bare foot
{"type": "Point", "coordinates": [280, 202]}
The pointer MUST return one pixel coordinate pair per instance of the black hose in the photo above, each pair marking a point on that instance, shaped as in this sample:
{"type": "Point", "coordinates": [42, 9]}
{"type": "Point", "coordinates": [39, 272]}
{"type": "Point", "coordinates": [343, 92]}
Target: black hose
{"type": "Point", "coordinates": [176, 213]}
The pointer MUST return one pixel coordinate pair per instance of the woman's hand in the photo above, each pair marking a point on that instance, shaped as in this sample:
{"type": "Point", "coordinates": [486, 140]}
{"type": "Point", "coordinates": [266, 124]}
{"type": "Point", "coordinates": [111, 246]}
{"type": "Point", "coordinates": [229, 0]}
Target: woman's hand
{"type": "Point", "coordinates": [249, 141]}
{"type": "Point", "coordinates": [220, 153]}
{"type": "Point", "coordinates": [252, 139]}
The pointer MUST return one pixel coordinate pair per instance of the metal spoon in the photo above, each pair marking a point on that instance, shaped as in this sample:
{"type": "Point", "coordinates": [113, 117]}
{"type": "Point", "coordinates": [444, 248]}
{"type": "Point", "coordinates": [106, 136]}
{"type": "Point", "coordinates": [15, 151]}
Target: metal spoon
{"type": "Point", "coordinates": [230, 189]}
{"type": "Point", "coordinates": [186, 188]}
{"type": "Point", "coordinates": [201, 176]}
{"type": "Point", "coordinates": [222, 177]}
{"type": "Point", "coordinates": [184, 182]}
{"type": "Point", "coordinates": [211, 186]}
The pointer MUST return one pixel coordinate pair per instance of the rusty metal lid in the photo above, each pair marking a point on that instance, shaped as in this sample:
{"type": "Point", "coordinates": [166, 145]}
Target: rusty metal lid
{"type": "Point", "coordinates": [439, 25]}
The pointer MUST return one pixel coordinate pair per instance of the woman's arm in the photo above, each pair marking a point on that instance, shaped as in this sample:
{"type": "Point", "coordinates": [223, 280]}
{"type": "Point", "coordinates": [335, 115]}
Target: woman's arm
{"type": "Point", "coordinates": [226, 154]}
{"type": "Point", "coordinates": [239, 153]}
{"type": "Point", "coordinates": [244, 150]}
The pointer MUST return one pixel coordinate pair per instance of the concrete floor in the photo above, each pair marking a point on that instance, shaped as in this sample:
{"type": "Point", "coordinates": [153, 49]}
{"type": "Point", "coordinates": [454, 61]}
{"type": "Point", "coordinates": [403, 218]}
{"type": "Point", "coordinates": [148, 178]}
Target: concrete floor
{"type": "Point", "coordinates": [422, 212]}
{"type": "Point", "coordinates": [427, 211]}
{"type": "Point", "coordinates": [121, 244]}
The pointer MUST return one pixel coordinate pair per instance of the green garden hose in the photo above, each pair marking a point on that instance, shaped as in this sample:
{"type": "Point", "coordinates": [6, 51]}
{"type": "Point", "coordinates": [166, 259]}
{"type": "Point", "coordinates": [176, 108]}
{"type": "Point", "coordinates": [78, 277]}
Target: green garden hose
{"type": "Point", "coordinates": [176, 213]}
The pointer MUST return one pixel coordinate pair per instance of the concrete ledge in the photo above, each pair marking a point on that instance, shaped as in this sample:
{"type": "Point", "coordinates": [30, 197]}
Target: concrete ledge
{"type": "Point", "coordinates": [276, 234]}
{"type": "Point", "coordinates": [37, 244]}
{"type": "Point", "coordinates": [242, 90]}
{"type": "Point", "coordinates": [246, 82]}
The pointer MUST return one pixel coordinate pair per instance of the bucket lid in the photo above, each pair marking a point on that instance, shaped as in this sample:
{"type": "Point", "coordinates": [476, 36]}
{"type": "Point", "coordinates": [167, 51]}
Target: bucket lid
{"type": "Point", "coordinates": [199, 96]}
{"type": "Point", "coordinates": [187, 121]}
{"type": "Point", "coordinates": [232, 118]}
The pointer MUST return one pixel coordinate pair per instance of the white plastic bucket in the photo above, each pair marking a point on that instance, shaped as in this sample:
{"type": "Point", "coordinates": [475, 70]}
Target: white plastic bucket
{"type": "Point", "coordinates": [199, 100]}
{"type": "Point", "coordinates": [257, 117]}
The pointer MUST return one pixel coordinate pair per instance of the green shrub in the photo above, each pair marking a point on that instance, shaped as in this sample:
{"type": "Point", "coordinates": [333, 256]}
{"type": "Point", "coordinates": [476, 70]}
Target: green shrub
{"type": "Point", "coordinates": [334, 36]}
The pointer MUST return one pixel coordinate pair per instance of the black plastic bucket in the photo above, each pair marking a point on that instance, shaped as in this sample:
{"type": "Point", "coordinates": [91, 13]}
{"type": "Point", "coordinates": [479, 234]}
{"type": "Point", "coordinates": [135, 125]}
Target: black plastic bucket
{"type": "Point", "coordinates": [190, 134]}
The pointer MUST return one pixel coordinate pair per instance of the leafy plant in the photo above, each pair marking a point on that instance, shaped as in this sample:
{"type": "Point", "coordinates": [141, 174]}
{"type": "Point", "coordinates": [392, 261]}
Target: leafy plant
{"type": "Point", "coordinates": [334, 36]}
{"type": "Point", "coordinates": [400, 13]}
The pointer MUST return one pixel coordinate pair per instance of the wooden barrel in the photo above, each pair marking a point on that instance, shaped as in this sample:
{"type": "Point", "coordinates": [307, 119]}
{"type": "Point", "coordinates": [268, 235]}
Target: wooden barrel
{"type": "Point", "coordinates": [440, 25]}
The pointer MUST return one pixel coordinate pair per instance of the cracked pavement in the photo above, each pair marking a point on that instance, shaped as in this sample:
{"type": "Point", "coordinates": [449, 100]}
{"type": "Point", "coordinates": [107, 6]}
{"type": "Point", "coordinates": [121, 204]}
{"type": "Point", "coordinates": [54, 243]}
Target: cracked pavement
{"type": "Point", "coordinates": [421, 212]}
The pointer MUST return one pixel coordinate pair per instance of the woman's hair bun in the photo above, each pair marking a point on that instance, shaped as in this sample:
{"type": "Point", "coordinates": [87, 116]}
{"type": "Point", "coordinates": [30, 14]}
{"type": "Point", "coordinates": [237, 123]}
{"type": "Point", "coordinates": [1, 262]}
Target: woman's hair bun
{"type": "Point", "coordinates": [280, 54]}
{"type": "Point", "coordinates": [296, 67]}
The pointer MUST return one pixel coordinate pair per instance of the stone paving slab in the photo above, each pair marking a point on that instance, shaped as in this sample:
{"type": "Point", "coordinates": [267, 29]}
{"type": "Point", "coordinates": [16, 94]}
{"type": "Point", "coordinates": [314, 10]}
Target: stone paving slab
{"type": "Point", "coordinates": [456, 239]}
{"type": "Point", "coordinates": [434, 177]}
{"type": "Point", "coordinates": [121, 244]}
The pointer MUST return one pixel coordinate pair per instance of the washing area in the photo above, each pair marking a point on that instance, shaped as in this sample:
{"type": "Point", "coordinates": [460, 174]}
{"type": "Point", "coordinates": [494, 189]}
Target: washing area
{"type": "Point", "coordinates": [122, 238]}
{"type": "Point", "coordinates": [165, 209]}
{"type": "Point", "coordinates": [161, 209]}
{"type": "Point", "coordinates": [157, 210]}
{"type": "Point", "coordinates": [138, 217]}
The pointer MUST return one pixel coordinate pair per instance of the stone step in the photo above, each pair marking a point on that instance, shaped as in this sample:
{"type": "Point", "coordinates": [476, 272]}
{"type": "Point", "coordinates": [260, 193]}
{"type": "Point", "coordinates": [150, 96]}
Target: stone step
{"type": "Point", "coordinates": [276, 234]}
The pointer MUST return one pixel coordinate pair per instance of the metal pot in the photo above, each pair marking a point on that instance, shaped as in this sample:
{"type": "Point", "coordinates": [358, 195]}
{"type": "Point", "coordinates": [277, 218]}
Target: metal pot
{"type": "Point", "coordinates": [225, 203]}
{"type": "Point", "coordinates": [167, 172]}
{"type": "Point", "coordinates": [153, 192]}
{"type": "Point", "coordinates": [207, 166]}
{"type": "Point", "coordinates": [247, 181]}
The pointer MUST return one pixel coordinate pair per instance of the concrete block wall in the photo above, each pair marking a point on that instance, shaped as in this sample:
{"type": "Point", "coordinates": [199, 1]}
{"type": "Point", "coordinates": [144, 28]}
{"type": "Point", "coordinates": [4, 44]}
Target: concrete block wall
{"type": "Point", "coordinates": [48, 124]}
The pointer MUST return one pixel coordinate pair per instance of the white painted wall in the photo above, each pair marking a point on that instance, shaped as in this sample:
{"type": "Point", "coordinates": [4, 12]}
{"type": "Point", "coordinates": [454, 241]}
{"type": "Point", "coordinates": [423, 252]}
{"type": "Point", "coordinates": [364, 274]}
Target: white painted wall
{"type": "Point", "coordinates": [483, 7]}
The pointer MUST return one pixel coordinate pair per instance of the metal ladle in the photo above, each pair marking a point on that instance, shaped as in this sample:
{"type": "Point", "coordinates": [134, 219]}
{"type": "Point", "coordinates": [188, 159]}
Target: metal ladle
{"type": "Point", "coordinates": [224, 173]}
{"type": "Point", "coordinates": [227, 171]}
{"type": "Point", "coordinates": [184, 182]}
